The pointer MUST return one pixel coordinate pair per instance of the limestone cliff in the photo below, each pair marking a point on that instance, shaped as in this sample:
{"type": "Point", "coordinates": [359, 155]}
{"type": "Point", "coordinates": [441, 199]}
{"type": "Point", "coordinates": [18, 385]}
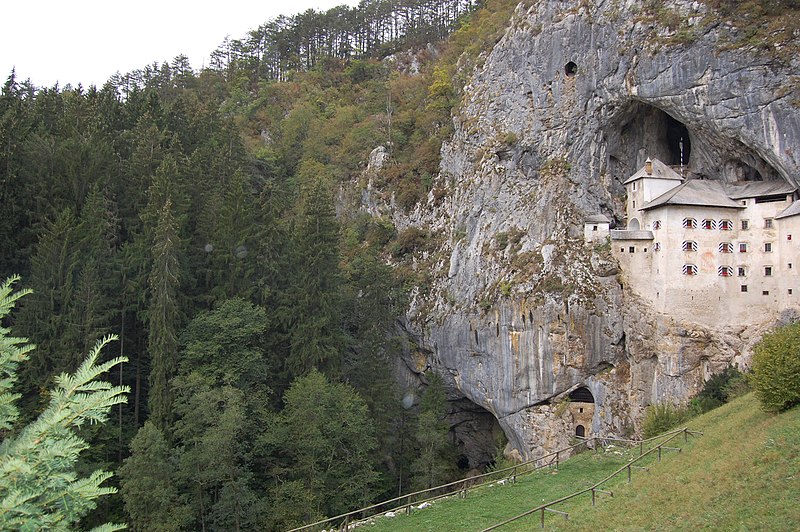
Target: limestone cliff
{"type": "Point", "coordinates": [566, 106]}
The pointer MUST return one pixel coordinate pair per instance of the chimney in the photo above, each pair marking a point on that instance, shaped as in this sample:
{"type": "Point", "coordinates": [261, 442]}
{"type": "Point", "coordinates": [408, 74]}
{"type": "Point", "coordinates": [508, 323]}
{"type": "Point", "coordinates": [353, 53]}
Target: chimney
{"type": "Point", "coordinates": [648, 166]}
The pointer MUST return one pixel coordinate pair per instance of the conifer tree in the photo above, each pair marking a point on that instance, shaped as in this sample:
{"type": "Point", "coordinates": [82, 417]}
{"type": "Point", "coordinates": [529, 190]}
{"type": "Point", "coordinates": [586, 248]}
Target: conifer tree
{"type": "Point", "coordinates": [39, 486]}
{"type": "Point", "coordinates": [163, 316]}
{"type": "Point", "coordinates": [435, 463]}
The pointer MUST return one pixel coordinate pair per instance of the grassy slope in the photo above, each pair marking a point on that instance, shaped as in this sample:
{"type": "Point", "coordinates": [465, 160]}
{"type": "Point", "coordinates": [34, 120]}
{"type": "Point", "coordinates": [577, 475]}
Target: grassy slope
{"type": "Point", "coordinates": [743, 474]}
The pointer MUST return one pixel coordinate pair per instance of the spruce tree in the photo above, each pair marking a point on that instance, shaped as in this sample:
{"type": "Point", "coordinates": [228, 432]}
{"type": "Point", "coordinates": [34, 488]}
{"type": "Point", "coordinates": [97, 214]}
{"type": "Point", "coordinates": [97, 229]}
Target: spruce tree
{"type": "Point", "coordinates": [39, 486]}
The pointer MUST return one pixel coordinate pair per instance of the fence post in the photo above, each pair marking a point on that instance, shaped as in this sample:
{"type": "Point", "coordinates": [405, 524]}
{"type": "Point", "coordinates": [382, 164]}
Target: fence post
{"type": "Point", "coordinates": [408, 505]}
{"type": "Point", "coordinates": [659, 453]}
{"type": "Point", "coordinates": [685, 435]}
{"type": "Point", "coordinates": [514, 475]}
{"type": "Point", "coordinates": [556, 460]}
{"type": "Point", "coordinates": [641, 448]}
{"type": "Point", "coordinates": [629, 473]}
{"type": "Point", "coordinates": [592, 496]}
{"type": "Point", "coordinates": [542, 517]}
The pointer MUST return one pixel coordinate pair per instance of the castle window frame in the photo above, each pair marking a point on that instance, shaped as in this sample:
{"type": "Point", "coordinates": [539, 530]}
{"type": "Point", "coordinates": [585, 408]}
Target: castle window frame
{"type": "Point", "coordinates": [657, 226]}
{"type": "Point", "coordinates": [725, 271]}
{"type": "Point", "coordinates": [689, 223]}
{"type": "Point", "coordinates": [725, 225]}
{"type": "Point", "coordinates": [725, 247]}
{"type": "Point", "coordinates": [767, 223]}
{"type": "Point", "coordinates": [742, 247]}
{"type": "Point", "coordinates": [741, 271]}
{"type": "Point", "coordinates": [657, 246]}
{"type": "Point", "coordinates": [709, 224]}
{"type": "Point", "coordinates": [689, 245]}
{"type": "Point", "coordinates": [767, 247]}
{"type": "Point", "coordinates": [743, 288]}
{"type": "Point", "coordinates": [767, 271]}
{"type": "Point", "coordinates": [689, 269]}
{"type": "Point", "coordinates": [745, 225]}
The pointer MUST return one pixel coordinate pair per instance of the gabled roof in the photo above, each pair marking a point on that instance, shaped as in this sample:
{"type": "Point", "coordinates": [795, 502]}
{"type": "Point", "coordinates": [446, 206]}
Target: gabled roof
{"type": "Point", "coordinates": [597, 219]}
{"type": "Point", "coordinates": [699, 192]}
{"type": "Point", "coordinates": [791, 210]}
{"type": "Point", "coordinates": [660, 171]}
{"type": "Point", "coordinates": [756, 189]}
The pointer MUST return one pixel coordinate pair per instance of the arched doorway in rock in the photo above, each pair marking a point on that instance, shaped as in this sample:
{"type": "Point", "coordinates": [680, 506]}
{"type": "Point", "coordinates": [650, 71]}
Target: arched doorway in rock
{"type": "Point", "coordinates": [581, 406]}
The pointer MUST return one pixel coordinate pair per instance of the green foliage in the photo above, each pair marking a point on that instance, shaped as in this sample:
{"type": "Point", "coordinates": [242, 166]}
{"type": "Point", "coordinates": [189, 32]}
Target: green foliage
{"type": "Point", "coordinates": [775, 372]}
{"type": "Point", "coordinates": [661, 417]}
{"type": "Point", "coordinates": [720, 389]}
{"type": "Point", "coordinates": [327, 444]}
{"type": "Point", "coordinates": [435, 463]}
{"type": "Point", "coordinates": [39, 486]}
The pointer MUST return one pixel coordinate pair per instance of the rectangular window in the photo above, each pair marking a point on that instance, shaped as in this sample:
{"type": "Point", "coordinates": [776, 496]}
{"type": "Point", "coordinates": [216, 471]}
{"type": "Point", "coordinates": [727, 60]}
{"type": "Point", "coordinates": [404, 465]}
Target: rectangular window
{"type": "Point", "coordinates": [689, 245]}
{"type": "Point", "coordinates": [767, 271]}
{"type": "Point", "coordinates": [788, 237]}
{"type": "Point", "coordinates": [689, 269]}
{"type": "Point", "coordinates": [767, 223]}
{"type": "Point", "coordinates": [657, 226]}
{"type": "Point", "coordinates": [725, 271]}
{"type": "Point", "coordinates": [631, 249]}
{"type": "Point", "coordinates": [657, 246]}
{"type": "Point", "coordinates": [745, 225]}
{"type": "Point", "coordinates": [709, 224]}
{"type": "Point", "coordinates": [726, 225]}
{"type": "Point", "coordinates": [768, 247]}
{"type": "Point", "coordinates": [742, 247]}
{"type": "Point", "coordinates": [741, 271]}
{"type": "Point", "coordinates": [725, 247]}
{"type": "Point", "coordinates": [634, 185]}
{"type": "Point", "coordinates": [744, 288]}
{"type": "Point", "coordinates": [594, 228]}
{"type": "Point", "coordinates": [765, 293]}
{"type": "Point", "coordinates": [689, 223]}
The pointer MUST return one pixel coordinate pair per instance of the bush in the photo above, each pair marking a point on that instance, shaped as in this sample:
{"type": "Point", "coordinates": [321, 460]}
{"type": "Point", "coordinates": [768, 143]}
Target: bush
{"type": "Point", "coordinates": [776, 369]}
{"type": "Point", "coordinates": [719, 389]}
{"type": "Point", "coordinates": [661, 417]}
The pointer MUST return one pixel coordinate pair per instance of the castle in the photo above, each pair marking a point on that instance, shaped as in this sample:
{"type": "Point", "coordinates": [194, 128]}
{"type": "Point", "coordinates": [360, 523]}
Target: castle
{"type": "Point", "coordinates": [712, 252]}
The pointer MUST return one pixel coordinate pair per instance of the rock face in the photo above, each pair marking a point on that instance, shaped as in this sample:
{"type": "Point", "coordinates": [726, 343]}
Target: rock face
{"type": "Point", "coordinates": [567, 105]}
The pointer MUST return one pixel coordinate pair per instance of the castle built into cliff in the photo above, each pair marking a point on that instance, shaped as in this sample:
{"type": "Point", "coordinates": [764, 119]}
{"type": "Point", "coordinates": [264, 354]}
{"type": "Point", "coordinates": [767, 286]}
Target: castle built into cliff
{"type": "Point", "coordinates": [704, 250]}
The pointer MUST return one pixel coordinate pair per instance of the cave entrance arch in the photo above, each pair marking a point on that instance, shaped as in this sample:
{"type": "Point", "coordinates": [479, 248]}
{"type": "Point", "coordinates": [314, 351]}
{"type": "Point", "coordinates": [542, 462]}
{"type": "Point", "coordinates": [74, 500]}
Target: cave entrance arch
{"type": "Point", "coordinates": [580, 431]}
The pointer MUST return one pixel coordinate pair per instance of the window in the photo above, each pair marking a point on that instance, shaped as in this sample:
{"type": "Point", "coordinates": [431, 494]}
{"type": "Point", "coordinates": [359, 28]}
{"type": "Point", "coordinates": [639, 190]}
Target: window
{"type": "Point", "coordinates": [709, 224]}
{"type": "Point", "coordinates": [657, 226]}
{"type": "Point", "coordinates": [725, 247]}
{"type": "Point", "coordinates": [622, 250]}
{"type": "Point", "coordinates": [744, 288]}
{"type": "Point", "coordinates": [767, 271]}
{"type": "Point", "coordinates": [745, 225]}
{"type": "Point", "coordinates": [594, 228]}
{"type": "Point", "coordinates": [726, 225]}
{"type": "Point", "coordinates": [742, 247]}
{"type": "Point", "coordinates": [742, 271]}
{"type": "Point", "coordinates": [657, 246]}
{"type": "Point", "coordinates": [768, 247]}
{"type": "Point", "coordinates": [689, 245]}
{"type": "Point", "coordinates": [725, 271]}
{"type": "Point", "coordinates": [767, 223]}
{"type": "Point", "coordinates": [765, 293]}
{"type": "Point", "coordinates": [689, 223]}
{"type": "Point", "coordinates": [634, 204]}
{"type": "Point", "coordinates": [689, 269]}
{"type": "Point", "coordinates": [634, 185]}
{"type": "Point", "coordinates": [788, 237]}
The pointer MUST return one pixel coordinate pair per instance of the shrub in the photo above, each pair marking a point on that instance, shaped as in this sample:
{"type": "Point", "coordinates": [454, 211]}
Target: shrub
{"type": "Point", "coordinates": [776, 368]}
{"type": "Point", "coordinates": [661, 417]}
{"type": "Point", "coordinates": [719, 389]}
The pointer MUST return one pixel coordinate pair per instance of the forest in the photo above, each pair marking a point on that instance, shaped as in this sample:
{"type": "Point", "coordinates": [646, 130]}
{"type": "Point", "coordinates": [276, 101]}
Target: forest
{"type": "Point", "coordinates": [193, 214]}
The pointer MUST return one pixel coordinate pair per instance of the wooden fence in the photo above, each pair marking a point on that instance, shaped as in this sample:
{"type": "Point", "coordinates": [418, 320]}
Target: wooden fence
{"type": "Point", "coordinates": [595, 488]}
{"type": "Point", "coordinates": [405, 503]}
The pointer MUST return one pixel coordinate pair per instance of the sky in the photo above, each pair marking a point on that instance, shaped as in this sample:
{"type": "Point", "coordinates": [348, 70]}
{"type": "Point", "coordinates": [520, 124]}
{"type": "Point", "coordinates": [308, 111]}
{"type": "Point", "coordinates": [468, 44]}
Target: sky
{"type": "Point", "coordinates": [87, 41]}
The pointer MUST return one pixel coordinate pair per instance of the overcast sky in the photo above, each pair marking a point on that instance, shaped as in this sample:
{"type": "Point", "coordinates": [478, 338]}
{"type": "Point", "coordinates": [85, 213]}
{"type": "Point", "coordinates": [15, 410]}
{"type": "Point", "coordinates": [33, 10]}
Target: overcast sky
{"type": "Point", "coordinates": [87, 41]}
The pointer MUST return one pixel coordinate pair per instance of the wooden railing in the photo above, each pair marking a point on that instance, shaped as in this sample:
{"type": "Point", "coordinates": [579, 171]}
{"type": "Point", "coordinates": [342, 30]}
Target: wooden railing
{"type": "Point", "coordinates": [595, 488]}
{"type": "Point", "coordinates": [405, 503]}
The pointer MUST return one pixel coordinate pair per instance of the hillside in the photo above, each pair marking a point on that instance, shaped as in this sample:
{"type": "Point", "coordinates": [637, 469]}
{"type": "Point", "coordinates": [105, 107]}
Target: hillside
{"type": "Point", "coordinates": [742, 474]}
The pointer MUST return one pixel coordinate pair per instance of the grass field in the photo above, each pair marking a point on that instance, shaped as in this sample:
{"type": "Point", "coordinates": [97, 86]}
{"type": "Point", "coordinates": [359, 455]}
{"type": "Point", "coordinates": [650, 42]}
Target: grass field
{"type": "Point", "coordinates": [742, 474]}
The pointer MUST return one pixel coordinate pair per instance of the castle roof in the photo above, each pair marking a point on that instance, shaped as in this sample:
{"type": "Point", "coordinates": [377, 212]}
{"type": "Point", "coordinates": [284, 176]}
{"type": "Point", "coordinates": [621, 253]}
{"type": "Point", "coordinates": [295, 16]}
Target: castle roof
{"type": "Point", "coordinates": [597, 219]}
{"type": "Point", "coordinates": [660, 171]}
{"type": "Point", "coordinates": [757, 189]}
{"type": "Point", "coordinates": [698, 192]}
{"type": "Point", "coordinates": [791, 210]}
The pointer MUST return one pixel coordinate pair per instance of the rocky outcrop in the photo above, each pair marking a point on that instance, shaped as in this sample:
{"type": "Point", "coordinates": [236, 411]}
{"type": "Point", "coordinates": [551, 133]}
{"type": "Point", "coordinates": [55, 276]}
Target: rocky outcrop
{"type": "Point", "coordinates": [569, 103]}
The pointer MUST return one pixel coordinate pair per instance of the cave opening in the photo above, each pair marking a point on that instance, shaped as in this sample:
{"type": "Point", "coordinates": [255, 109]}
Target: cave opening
{"type": "Point", "coordinates": [677, 141]}
{"type": "Point", "coordinates": [476, 434]}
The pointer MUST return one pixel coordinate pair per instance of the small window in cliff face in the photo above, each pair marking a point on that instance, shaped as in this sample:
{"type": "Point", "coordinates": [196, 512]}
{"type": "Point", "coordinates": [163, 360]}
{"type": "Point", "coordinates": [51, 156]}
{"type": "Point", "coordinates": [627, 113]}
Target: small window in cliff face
{"type": "Point", "coordinates": [570, 69]}
{"type": "Point", "coordinates": [580, 431]}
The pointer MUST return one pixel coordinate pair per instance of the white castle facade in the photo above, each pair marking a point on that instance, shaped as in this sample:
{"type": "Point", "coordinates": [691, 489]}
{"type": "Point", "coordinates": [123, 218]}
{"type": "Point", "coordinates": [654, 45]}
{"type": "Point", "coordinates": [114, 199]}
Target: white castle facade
{"type": "Point", "coordinates": [711, 252]}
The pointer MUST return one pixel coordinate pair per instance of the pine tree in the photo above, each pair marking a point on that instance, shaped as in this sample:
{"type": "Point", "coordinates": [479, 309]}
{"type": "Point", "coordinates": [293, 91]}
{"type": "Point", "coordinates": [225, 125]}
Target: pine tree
{"type": "Point", "coordinates": [39, 487]}
{"type": "Point", "coordinates": [163, 316]}
{"type": "Point", "coordinates": [435, 463]}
